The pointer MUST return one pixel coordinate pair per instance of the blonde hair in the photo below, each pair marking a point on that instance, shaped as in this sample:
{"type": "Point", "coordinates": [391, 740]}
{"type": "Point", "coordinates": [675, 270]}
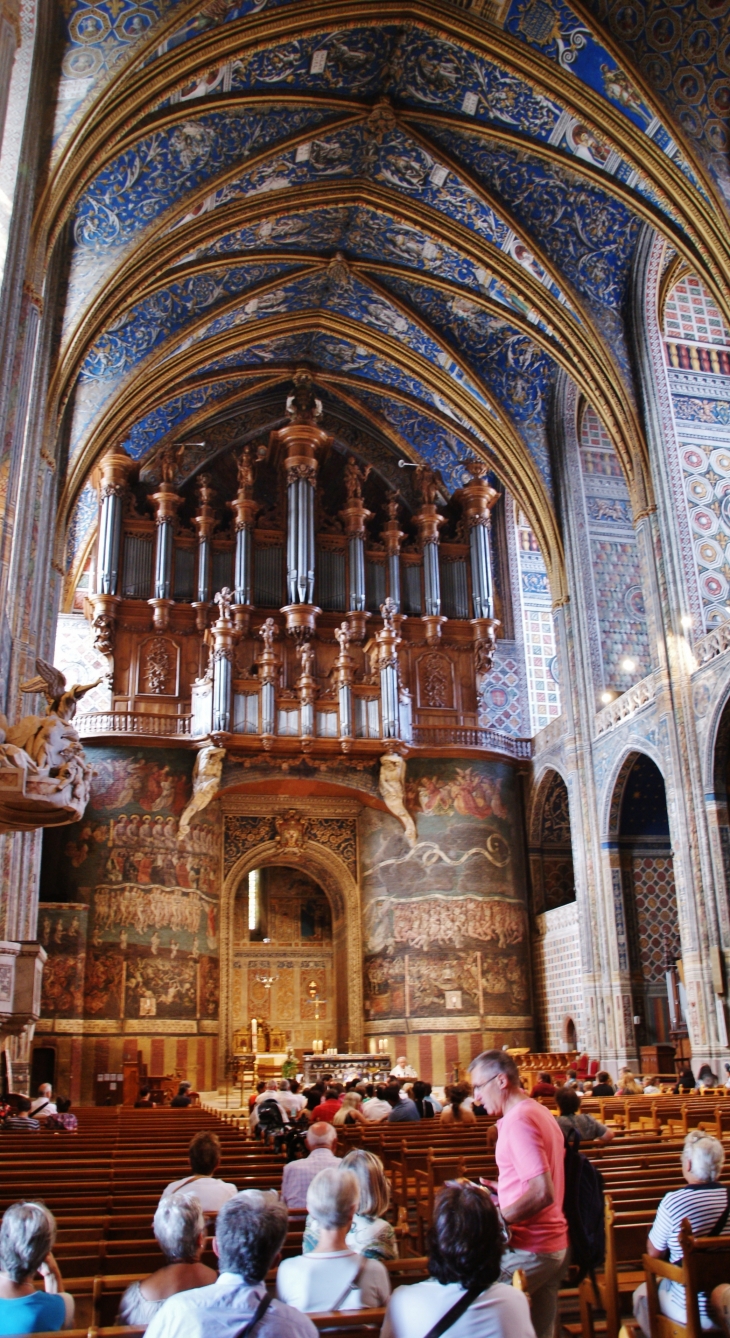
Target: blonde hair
{"type": "Point", "coordinates": [374, 1188]}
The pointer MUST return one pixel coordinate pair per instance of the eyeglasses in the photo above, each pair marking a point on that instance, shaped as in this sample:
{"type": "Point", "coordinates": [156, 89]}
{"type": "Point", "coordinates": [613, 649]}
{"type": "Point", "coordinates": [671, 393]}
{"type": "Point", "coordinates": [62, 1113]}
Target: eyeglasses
{"type": "Point", "coordinates": [486, 1081]}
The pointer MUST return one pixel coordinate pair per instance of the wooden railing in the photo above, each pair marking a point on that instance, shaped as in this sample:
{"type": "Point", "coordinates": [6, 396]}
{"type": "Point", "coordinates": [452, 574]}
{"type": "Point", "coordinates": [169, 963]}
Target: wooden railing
{"type": "Point", "coordinates": [131, 722]}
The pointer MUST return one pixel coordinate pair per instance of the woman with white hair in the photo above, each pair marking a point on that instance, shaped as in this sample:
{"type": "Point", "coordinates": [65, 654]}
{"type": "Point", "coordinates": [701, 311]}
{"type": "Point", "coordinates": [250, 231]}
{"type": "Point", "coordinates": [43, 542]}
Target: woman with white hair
{"type": "Point", "coordinates": [26, 1242]}
{"type": "Point", "coordinates": [179, 1228]}
{"type": "Point", "coordinates": [370, 1234]}
{"type": "Point", "coordinates": [707, 1205]}
{"type": "Point", "coordinates": [333, 1276]}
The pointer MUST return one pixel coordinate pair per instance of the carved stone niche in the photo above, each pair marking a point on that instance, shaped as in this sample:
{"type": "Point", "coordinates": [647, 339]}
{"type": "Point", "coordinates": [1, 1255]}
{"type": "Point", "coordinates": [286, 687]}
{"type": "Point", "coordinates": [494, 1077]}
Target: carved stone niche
{"type": "Point", "coordinates": [435, 682]}
{"type": "Point", "coordinates": [21, 976]}
{"type": "Point", "coordinates": [158, 667]}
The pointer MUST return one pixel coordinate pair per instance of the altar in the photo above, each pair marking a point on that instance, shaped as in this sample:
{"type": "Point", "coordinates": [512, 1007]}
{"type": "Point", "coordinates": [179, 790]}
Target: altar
{"type": "Point", "coordinates": [343, 1068]}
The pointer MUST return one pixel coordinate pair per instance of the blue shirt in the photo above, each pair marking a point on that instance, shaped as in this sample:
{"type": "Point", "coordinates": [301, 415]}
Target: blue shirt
{"type": "Point", "coordinates": [40, 1312]}
{"type": "Point", "coordinates": [405, 1110]}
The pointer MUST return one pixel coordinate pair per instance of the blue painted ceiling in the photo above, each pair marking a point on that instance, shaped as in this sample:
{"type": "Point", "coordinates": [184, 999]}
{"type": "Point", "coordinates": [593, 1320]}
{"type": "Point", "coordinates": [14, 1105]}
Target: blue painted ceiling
{"type": "Point", "coordinates": [435, 220]}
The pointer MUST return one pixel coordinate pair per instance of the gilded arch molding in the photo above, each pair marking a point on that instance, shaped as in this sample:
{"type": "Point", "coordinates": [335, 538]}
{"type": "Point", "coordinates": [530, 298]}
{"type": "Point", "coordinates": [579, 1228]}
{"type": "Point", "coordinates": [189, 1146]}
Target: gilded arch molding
{"type": "Point", "coordinates": [529, 488]}
{"type": "Point", "coordinates": [343, 893]}
{"type": "Point", "coordinates": [136, 89]}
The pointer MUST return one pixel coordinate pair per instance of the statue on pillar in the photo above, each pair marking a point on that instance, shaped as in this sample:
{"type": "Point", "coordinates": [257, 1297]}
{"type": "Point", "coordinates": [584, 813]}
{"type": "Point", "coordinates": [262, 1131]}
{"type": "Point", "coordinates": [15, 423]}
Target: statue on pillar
{"type": "Point", "coordinates": [246, 472]}
{"type": "Point", "coordinates": [302, 406]}
{"type": "Point", "coordinates": [355, 476]}
{"type": "Point", "coordinates": [45, 778]}
{"type": "Point", "coordinates": [428, 482]}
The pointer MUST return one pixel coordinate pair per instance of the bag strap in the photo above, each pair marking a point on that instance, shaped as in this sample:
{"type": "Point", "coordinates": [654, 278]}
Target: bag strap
{"type": "Point", "coordinates": [449, 1319]}
{"type": "Point", "coordinates": [259, 1313]}
{"type": "Point", "coordinates": [721, 1222]}
{"type": "Point", "coordinates": [350, 1287]}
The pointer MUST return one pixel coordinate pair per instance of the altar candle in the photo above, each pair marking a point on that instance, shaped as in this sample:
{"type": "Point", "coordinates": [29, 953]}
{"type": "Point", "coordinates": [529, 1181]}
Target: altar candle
{"type": "Point", "coordinates": [254, 1034]}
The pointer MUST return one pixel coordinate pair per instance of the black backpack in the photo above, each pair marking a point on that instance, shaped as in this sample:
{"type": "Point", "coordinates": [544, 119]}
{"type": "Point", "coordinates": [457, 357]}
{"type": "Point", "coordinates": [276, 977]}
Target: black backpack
{"type": "Point", "coordinates": [583, 1208]}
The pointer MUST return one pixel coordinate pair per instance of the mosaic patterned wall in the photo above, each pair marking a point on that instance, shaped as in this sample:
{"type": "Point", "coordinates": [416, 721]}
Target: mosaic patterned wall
{"type": "Point", "coordinates": [75, 656]}
{"type": "Point", "coordinates": [698, 358]}
{"type": "Point", "coordinates": [538, 630]}
{"type": "Point", "coordinates": [556, 974]}
{"type": "Point", "coordinates": [445, 922]}
{"type": "Point", "coordinates": [655, 903]}
{"type": "Point", "coordinates": [616, 567]}
{"type": "Point", "coordinates": [551, 861]}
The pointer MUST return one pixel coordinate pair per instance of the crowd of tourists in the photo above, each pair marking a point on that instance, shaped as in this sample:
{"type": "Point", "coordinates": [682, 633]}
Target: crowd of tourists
{"type": "Point", "coordinates": [481, 1233]}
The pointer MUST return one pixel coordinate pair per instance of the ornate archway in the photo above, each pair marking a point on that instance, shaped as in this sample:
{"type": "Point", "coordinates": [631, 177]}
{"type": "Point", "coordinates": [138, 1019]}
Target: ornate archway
{"type": "Point", "coordinates": [317, 837]}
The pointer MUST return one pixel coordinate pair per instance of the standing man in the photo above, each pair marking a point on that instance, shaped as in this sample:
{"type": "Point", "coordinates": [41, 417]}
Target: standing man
{"type": "Point", "coordinates": [530, 1158]}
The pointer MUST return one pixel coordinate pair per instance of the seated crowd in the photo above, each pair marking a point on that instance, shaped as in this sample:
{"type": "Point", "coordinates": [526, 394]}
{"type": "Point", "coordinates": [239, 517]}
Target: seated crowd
{"type": "Point", "coordinates": [482, 1234]}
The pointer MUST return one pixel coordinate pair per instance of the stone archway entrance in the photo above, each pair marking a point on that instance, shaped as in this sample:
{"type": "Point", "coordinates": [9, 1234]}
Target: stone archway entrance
{"type": "Point", "coordinates": [315, 841]}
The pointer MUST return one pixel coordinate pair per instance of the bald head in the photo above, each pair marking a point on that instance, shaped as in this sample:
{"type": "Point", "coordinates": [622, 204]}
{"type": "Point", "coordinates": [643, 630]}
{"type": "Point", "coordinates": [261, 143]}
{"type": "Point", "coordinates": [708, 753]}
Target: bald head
{"type": "Point", "coordinates": [321, 1135]}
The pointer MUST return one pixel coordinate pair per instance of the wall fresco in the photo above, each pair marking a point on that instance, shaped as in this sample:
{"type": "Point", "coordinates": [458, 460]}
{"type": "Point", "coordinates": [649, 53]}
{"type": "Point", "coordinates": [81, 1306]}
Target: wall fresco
{"type": "Point", "coordinates": [127, 900]}
{"type": "Point", "coordinates": [445, 923]}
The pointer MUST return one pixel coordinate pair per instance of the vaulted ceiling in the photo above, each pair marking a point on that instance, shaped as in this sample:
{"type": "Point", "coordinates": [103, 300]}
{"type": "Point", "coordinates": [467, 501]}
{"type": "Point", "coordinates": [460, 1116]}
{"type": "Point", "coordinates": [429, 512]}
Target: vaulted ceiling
{"type": "Point", "coordinates": [433, 205]}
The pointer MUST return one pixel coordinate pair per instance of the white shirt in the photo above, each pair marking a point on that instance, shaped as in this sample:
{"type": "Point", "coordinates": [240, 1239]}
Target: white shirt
{"type": "Point", "coordinates": [49, 1107]}
{"type": "Point", "coordinates": [211, 1194]}
{"type": "Point", "coordinates": [500, 1312]}
{"type": "Point", "coordinates": [221, 1310]}
{"type": "Point", "coordinates": [375, 1109]}
{"type": "Point", "coordinates": [314, 1282]}
{"type": "Point", "coordinates": [403, 1071]}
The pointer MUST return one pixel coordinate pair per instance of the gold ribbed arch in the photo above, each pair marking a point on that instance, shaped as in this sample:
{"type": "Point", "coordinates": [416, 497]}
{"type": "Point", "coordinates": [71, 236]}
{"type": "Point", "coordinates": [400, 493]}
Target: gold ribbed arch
{"type": "Point", "coordinates": [516, 466]}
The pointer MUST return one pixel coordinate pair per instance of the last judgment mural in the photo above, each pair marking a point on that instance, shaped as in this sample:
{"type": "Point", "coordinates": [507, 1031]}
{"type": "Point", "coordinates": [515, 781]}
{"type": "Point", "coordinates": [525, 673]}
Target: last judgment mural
{"type": "Point", "coordinates": [129, 904]}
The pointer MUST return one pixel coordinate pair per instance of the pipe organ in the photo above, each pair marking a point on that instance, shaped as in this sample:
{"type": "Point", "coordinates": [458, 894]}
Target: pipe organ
{"type": "Point", "coordinates": [329, 613]}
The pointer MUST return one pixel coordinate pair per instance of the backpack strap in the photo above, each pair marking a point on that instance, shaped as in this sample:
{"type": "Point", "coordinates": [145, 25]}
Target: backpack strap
{"type": "Point", "coordinates": [258, 1314]}
{"type": "Point", "coordinates": [350, 1287]}
{"type": "Point", "coordinates": [455, 1312]}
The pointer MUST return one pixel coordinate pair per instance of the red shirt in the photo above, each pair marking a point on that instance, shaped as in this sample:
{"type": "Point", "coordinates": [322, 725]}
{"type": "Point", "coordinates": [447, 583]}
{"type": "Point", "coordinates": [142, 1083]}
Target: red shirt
{"type": "Point", "coordinates": [543, 1089]}
{"type": "Point", "coordinates": [530, 1142]}
{"type": "Point", "coordinates": [326, 1110]}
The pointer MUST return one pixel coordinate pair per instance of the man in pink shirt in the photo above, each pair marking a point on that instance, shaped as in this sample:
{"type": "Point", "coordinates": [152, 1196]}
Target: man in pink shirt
{"type": "Point", "coordinates": [530, 1157]}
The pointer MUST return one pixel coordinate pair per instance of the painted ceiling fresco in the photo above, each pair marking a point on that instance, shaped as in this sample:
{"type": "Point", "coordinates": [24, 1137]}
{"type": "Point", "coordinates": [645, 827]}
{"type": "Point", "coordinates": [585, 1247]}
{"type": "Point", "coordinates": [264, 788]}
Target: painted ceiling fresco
{"type": "Point", "coordinates": [438, 212]}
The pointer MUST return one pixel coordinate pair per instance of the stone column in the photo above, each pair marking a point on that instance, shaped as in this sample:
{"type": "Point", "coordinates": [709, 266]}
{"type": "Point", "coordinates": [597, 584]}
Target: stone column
{"type": "Point", "coordinates": [204, 524]}
{"type": "Point", "coordinates": [223, 635]}
{"type": "Point", "coordinates": [344, 672]}
{"type": "Point", "coordinates": [388, 641]}
{"type": "Point", "coordinates": [244, 509]}
{"type": "Point", "coordinates": [429, 522]}
{"type": "Point", "coordinates": [392, 539]}
{"type": "Point", "coordinates": [166, 502]}
{"type": "Point", "coordinates": [355, 514]}
{"type": "Point", "coordinates": [301, 440]}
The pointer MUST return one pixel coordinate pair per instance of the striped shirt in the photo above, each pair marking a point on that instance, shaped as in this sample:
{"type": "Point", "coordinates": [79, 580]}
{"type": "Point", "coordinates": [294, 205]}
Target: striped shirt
{"type": "Point", "coordinates": [703, 1205]}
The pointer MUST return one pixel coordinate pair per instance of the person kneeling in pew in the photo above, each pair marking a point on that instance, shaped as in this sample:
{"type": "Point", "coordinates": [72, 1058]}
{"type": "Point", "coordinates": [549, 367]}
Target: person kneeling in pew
{"type": "Point", "coordinates": [26, 1240]}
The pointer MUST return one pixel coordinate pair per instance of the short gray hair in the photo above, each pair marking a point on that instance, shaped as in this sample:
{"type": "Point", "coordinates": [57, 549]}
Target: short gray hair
{"type": "Point", "coordinates": [177, 1225]}
{"type": "Point", "coordinates": [284, 1085]}
{"type": "Point", "coordinates": [332, 1196]}
{"type": "Point", "coordinates": [321, 1135]}
{"type": "Point", "coordinates": [250, 1231]}
{"type": "Point", "coordinates": [705, 1153]}
{"type": "Point", "coordinates": [26, 1236]}
{"type": "Point", "coordinates": [499, 1062]}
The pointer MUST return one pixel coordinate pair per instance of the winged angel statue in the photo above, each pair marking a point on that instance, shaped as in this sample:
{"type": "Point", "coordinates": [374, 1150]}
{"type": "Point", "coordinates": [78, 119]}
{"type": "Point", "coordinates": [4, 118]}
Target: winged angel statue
{"type": "Point", "coordinates": [45, 778]}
